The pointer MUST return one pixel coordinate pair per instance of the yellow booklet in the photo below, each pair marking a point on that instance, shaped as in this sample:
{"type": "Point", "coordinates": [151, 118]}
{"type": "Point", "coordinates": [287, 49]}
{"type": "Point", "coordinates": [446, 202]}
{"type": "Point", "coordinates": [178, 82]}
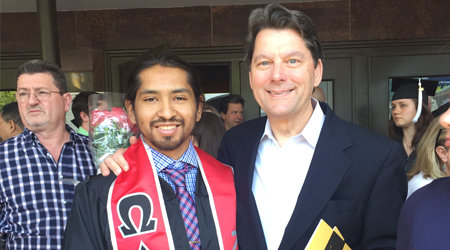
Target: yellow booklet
{"type": "Point", "coordinates": [325, 237]}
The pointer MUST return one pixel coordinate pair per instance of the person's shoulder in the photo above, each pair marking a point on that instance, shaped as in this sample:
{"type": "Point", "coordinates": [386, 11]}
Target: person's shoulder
{"type": "Point", "coordinates": [433, 194]}
{"type": "Point", "coordinates": [97, 184]}
{"type": "Point", "coordinates": [79, 138]}
{"type": "Point", "coordinates": [439, 187]}
{"type": "Point", "coordinates": [356, 132]}
{"type": "Point", "coordinates": [205, 157]}
{"type": "Point", "coordinates": [417, 182]}
{"type": "Point", "coordinates": [11, 144]}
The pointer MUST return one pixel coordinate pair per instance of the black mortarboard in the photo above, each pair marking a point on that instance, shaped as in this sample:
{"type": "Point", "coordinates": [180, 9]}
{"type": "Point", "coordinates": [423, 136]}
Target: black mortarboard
{"type": "Point", "coordinates": [408, 88]}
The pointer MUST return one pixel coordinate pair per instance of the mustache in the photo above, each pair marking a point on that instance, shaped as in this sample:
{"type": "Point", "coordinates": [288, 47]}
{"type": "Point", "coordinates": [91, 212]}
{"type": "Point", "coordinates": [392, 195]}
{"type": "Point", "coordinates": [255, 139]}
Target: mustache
{"type": "Point", "coordinates": [37, 107]}
{"type": "Point", "coordinates": [163, 120]}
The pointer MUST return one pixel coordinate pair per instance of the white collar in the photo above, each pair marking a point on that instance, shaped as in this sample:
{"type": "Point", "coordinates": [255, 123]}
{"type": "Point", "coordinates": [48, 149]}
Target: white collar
{"type": "Point", "coordinates": [310, 132]}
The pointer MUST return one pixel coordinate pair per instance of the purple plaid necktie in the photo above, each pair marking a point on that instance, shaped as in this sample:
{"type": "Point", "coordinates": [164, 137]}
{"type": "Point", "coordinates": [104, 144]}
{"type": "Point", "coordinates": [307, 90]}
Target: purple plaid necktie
{"type": "Point", "coordinates": [187, 205]}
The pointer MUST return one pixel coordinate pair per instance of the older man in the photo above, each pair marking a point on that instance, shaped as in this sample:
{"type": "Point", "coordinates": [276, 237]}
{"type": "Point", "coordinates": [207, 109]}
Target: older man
{"type": "Point", "coordinates": [41, 166]}
{"type": "Point", "coordinates": [302, 163]}
{"type": "Point", "coordinates": [305, 163]}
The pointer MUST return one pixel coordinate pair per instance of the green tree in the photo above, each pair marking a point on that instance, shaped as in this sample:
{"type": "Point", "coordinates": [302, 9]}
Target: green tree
{"type": "Point", "coordinates": [6, 97]}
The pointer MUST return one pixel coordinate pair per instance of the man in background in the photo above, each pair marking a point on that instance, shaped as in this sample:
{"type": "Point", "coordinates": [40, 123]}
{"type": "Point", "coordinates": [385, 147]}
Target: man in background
{"type": "Point", "coordinates": [40, 167]}
{"type": "Point", "coordinates": [318, 94]}
{"type": "Point", "coordinates": [80, 110]}
{"type": "Point", "coordinates": [232, 110]}
{"type": "Point", "coordinates": [10, 122]}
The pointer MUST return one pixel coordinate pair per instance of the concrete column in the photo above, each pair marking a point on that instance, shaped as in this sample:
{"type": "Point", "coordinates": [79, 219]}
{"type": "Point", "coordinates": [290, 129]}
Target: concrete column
{"type": "Point", "coordinates": [46, 10]}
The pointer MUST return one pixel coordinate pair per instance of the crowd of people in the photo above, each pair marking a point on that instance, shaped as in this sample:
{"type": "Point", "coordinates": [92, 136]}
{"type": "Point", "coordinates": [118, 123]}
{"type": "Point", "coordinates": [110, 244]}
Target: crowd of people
{"type": "Point", "coordinates": [196, 178]}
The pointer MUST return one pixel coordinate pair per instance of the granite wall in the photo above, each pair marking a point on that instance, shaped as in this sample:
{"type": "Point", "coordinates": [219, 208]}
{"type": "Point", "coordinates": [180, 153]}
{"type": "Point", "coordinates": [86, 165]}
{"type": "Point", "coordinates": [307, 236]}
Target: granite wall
{"type": "Point", "coordinates": [84, 35]}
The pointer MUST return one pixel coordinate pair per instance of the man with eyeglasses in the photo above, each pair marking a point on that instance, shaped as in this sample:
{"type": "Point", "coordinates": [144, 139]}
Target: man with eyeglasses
{"type": "Point", "coordinates": [40, 168]}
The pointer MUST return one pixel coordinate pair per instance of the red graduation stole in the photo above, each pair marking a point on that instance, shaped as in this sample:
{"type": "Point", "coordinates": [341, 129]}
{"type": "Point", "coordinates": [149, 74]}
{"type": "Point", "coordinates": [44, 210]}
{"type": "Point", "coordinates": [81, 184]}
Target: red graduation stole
{"type": "Point", "coordinates": [136, 211]}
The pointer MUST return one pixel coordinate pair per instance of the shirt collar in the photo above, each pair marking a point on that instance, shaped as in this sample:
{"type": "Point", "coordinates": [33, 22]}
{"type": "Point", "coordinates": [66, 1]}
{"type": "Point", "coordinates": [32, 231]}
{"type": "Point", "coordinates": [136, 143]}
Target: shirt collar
{"type": "Point", "coordinates": [82, 131]}
{"type": "Point", "coordinates": [163, 161]}
{"type": "Point", "coordinates": [310, 132]}
{"type": "Point", "coordinates": [32, 138]}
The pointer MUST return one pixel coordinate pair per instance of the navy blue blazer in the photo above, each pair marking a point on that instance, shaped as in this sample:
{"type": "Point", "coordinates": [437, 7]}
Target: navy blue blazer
{"type": "Point", "coordinates": [356, 181]}
{"type": "Point", "coordinates": [425, 218]}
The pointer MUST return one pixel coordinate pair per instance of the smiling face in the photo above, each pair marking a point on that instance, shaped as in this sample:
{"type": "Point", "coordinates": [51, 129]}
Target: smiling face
{"type": "Point", "coordinates": [282, 74]}
{"type": "Point", "coordinates": [165, 110]}
{"type": "Point", "coordinates": [42, 115]}
{"type": "Point", "coordinates": [403, 112]}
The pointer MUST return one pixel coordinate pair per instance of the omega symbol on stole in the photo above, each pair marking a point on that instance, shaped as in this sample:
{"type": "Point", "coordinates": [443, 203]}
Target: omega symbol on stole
{"type": "Point", "coordinates": [135, 211]}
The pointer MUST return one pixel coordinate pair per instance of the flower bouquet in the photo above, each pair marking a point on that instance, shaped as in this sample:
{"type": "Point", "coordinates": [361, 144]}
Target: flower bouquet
{"type": "Point", "coordinates": [110, 128]}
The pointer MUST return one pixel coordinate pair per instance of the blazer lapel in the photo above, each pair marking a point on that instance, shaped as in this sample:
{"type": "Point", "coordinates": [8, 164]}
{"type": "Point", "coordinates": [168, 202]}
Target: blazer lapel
{"type": "Point", "coordinates": [244, 180]}
{"type": "Point", "coordinates": [326, 171]}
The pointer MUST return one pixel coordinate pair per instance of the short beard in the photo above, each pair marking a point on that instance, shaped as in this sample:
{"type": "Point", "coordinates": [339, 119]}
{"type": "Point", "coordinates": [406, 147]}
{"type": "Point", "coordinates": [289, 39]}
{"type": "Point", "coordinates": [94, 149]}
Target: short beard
{"type": "Point", "coordinates": [167, 144]}
{"type": "Point", "coordinates": [36, 125]}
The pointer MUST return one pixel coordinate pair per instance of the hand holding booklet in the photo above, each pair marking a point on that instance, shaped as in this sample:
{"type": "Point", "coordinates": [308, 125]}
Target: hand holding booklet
{"type": "Point", "coordinates": [325, 237]}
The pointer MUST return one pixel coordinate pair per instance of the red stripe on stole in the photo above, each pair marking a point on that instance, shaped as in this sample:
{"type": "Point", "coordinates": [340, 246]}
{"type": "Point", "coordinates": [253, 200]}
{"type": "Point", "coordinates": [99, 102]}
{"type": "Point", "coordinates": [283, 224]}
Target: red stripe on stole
{"type": "Point", "coordinates": [140, 181]}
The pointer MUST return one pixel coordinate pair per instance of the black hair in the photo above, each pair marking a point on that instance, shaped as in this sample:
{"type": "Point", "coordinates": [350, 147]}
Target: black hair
{"type": "Point", "coordinates": [163, 59]}
{"type": "Point", "coordinates": [80, 103]}
{"type": "Point", "coordinates": [10, 112]}
{"type": "Point", "coordinates": [232, 98]}
{"type": "Point", "coordinates": [39, 66]}
{"type": "Point", "coordinates": [275, 16]}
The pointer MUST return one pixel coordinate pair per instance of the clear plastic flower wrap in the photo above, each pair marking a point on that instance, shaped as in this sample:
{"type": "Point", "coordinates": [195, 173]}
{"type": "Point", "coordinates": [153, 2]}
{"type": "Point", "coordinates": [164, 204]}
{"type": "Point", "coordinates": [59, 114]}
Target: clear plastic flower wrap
{"type": "Point", "coordinates": [110, 128]}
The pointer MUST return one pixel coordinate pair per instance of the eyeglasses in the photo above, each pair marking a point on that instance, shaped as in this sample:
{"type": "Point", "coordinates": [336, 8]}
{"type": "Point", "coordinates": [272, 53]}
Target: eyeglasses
{"type": "Point", "coordinates": [437, 138]}
{"type": "Point", "coordinates": [41, 95]}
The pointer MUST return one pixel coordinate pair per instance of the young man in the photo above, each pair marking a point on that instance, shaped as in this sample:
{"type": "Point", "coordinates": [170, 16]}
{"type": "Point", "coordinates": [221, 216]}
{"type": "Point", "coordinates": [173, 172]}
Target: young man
{"type": "Point", "coordinates": [10, 122]}
{"type": "Point", "coordinates": [176, 196]}
{"type": "Point", "coordinates": [302, 163]}
{"type": "Point", "coordinates": [232, 110]}
{"type": "Point", "coordinates": [80, 110]}
{"type": "Point", "coordinates": [41, 166]}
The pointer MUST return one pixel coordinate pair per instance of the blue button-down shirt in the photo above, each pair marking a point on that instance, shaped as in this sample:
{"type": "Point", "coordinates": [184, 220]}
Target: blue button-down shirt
{"type": "Point", "coordinates": [189, 157]}
{"type": "Point", "coordinates": [36, 192]}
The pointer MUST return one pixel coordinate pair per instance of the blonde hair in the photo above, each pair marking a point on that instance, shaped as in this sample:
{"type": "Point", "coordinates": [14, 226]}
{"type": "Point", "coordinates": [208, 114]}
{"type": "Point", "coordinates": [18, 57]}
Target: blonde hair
{"type": "Point", "coordinates": [428, 160]}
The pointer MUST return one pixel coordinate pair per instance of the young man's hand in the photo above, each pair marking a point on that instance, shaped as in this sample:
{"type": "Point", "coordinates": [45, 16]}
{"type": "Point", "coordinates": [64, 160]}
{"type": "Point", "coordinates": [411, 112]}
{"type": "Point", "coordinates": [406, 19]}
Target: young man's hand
{"type": "Point", "coordinates": [116, 162]}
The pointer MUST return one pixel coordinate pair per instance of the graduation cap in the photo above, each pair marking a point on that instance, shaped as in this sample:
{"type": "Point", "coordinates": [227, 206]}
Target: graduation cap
{"type": "Point", "coordinates": [408, 88]}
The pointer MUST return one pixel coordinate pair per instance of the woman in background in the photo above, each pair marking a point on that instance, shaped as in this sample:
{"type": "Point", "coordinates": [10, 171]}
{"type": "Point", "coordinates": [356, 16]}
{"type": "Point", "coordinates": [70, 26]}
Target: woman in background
{"type": "Point", "coordinates": [432, 158]}
{"type": "Point", "coordinates": [207, 133]}
{"type": "Point", "coordinates": [410, 115]}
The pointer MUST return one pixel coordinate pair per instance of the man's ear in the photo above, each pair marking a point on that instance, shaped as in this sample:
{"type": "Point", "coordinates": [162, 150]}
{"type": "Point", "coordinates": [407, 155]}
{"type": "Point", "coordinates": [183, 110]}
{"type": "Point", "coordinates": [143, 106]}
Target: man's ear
{"type": "Point", "coordinates": [442, 153]}
{"type": "Point", "coordinates": [67, 100]}
{"type": "Point", "coordinates": [250, 79]}
{"type": "Point", "coordinates": [223, 115]}
{"type": "Point", "coordinates": [84, 116]}
{"type": "Point", "coordinates": [11, 126]}
{"type": "Point", "coordinates": [201, 104]}
{"type": "Point", "coordinates": [318, 72]}
{"type": "Point", "coordinates": [130, 111]}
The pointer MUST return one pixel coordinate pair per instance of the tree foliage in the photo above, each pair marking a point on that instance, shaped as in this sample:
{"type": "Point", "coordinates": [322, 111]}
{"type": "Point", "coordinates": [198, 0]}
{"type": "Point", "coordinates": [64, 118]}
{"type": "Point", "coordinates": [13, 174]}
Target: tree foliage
{"type": "Point", "coordinates": [6, 97]}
